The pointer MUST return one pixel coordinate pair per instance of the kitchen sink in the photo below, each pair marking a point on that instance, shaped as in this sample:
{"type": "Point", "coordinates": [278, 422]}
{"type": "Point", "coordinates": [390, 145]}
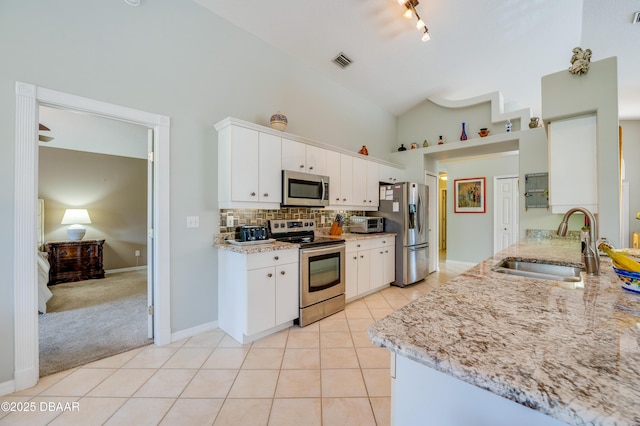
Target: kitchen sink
{"type": "Point", "coordinates": [536, 268]}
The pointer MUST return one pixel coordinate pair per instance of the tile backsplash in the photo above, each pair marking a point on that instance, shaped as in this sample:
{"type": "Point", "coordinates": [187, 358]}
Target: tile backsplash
{"type": "Point", "coordinates": [260, 217]}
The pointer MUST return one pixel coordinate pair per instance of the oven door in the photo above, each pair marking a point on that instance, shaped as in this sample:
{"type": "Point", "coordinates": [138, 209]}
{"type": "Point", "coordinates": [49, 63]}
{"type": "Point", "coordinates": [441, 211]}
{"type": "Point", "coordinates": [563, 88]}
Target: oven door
{"type": "Point", "coordinates": [321, 274]}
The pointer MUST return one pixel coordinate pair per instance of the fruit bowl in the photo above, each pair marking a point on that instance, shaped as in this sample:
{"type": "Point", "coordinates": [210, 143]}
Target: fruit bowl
{"type": "Point", "coordinates": [630, 280]}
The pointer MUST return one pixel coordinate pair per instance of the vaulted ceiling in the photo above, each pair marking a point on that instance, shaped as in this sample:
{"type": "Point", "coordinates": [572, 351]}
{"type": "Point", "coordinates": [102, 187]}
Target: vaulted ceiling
{"type": "Point", "coordinates": [476, 47]}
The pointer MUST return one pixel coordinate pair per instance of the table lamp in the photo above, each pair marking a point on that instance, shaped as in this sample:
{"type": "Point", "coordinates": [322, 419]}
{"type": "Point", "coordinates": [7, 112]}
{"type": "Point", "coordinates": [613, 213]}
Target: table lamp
{"type": "Point", "coordinates": [75, 218]}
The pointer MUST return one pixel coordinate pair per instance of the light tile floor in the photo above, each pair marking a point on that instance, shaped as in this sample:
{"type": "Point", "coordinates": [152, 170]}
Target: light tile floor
{"type": "Point", "coordinates": [327, 373]}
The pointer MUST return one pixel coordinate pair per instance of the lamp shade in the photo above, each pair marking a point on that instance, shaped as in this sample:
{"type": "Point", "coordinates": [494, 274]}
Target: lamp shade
{"type": "Point", "coordinates": [76, 217]}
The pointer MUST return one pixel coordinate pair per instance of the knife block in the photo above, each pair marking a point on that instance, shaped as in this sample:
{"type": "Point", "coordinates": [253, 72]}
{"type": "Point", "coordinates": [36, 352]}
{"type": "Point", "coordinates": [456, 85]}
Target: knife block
{"type": "Point", "coordinates": [335, 229]}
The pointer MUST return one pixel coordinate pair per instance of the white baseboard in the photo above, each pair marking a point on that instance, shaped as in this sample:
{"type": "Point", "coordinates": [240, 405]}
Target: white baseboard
{"type": "Point", "coordinates": [190, 332]}
{"type": "Point", "coordinates": [7, 387]}
{"type": "Point", "coordinates": [460, 263]}
{"type": "Point", "coordinates": [133, 268]}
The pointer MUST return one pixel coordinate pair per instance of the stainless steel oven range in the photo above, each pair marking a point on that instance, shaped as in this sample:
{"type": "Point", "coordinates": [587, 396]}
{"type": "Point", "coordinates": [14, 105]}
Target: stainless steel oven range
{"type": "Point", "coordinates": [322, 276]}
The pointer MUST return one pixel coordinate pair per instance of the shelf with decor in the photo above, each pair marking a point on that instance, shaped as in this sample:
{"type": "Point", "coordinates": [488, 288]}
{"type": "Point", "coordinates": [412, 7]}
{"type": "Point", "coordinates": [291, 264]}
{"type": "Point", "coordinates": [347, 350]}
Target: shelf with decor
{"type": "Point", "coordinates": [493, 144]}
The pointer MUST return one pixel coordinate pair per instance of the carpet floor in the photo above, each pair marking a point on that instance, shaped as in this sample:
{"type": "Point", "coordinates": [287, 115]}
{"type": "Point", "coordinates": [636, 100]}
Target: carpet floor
{"type": "Point", "coordinates": [93, 319]}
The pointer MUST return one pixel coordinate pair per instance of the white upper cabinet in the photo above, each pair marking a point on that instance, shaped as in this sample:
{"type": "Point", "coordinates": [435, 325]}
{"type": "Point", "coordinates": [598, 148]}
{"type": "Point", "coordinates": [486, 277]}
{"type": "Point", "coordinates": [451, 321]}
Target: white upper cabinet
{"type": "Point", "coordinates": [573, 169]}
{"type": "Point", "coordinates": [390, 175]}
{"type": "Point", "coordinates": [359, 181]}
{"type": "Point", "coordinates": [248, 169]}
{"type": "Point", "coordinates": [373, 185]}
{"type": "Point", "coordinates": [300, 157]}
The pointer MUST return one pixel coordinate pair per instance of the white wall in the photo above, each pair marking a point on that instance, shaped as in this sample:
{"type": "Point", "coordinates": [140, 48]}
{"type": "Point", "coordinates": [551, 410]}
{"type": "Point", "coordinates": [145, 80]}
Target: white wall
{"type": "Point", "coordinates": [173, 58]}
{"type": "Point", "coordinates": [470, 235]}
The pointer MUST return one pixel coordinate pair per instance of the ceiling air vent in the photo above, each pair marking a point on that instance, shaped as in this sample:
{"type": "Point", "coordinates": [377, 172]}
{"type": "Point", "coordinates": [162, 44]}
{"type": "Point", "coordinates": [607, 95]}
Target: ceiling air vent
{"type": "Point", "coordinates": [342, 60]}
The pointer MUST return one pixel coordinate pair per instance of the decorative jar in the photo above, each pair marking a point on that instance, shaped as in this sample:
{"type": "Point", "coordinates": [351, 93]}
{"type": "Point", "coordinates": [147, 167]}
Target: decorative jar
{"type": "Point", "coordinates": [279, 121]}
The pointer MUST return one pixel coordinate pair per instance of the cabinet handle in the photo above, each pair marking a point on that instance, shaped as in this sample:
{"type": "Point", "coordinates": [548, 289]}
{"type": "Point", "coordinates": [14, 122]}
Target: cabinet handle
{"type": "Point", "coordinates": [361, 256]}
{"type": "Point", "coordinates": [253, 194]}
{"type": "Point", "coordinates": [344, 199]}
{"type": "Point", "coordinates": [337, 199]}
{"type": "Point", "coordinates": [384, 242]}
{"type": "Point", "coordinates": [310, 167]}
{"type": "Point", "coordinates": [302, 166]}
{"type": "Point", "coordinates": [357, 245]}
{"type": "Point", "coordinates": [355, 257]}
{"type": "Point", "coordinates": [275, 258]}
{"type": "Point", "coordinates": [386, 251]}
{"type": "Point", "coordinates": [282, 272]}
{"type": "Point", "coordinates": [266, 194]}
{"type": "Point", "coordinates": [269, 275]}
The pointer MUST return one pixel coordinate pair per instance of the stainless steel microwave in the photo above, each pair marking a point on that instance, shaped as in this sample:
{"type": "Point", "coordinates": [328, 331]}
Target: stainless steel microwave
{"type": "Point", "coordinates": [304, 189]}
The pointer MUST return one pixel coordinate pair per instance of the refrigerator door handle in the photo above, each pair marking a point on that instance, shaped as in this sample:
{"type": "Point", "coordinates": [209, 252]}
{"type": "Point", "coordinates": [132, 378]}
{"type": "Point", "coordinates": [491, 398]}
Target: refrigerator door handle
{"type": "Point", "coordinates": [419, 247]}
{"type": "Point", "coordinates": [419, 214]}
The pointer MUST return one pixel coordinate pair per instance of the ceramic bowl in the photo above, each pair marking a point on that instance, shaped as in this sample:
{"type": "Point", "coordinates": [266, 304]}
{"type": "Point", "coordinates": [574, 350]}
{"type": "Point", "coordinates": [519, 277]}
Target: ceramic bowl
{"type": "Point", "coordinates": [483, 132]}
{"type": "Point", "coordinates": [630, 280]}
{"type": "Point", "coordinates": [279, 121]}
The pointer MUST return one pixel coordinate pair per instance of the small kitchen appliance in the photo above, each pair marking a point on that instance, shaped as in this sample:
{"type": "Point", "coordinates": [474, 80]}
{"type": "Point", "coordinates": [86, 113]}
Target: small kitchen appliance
{"type": "Point", "coordinates": [250, 233]}
{"type": "Point", "coordinates": [366, 225]}
{"type": "Point", "coordinates": [322, 268]}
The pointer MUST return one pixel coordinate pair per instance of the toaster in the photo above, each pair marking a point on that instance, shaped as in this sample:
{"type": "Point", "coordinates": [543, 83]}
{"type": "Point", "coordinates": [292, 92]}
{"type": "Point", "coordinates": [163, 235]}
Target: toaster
{"type": "Point", "coordinates": [251, 233]}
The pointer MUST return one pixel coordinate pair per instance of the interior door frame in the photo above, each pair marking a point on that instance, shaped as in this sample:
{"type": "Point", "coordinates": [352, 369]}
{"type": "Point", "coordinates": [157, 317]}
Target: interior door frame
{"type": "Point", "coordinates": [25, 281]}
{"type": "Point", "coordinates": [434, 252]}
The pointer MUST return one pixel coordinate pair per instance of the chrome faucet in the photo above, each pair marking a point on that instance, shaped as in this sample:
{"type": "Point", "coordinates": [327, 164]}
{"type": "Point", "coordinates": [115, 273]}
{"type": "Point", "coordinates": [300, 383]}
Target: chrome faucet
{"type": "Point", "coordinates": [590, 255]}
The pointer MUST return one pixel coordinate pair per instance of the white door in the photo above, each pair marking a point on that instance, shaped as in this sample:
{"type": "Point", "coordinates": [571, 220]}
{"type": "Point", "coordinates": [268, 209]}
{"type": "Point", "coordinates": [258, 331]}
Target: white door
{"type": "Point", "coordinates": [506, 213]}
{"type": "Point", "coordinates": [432, 183]}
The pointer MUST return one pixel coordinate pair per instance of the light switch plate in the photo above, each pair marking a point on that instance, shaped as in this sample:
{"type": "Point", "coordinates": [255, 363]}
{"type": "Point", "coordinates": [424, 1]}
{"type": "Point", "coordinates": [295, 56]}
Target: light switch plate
{"type": "Point", "coordinates": [193, 221]}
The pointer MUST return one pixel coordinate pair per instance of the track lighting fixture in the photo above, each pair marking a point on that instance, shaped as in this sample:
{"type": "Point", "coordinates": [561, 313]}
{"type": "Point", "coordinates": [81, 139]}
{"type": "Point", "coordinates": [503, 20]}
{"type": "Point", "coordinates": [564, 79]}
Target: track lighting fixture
{"type": "Point", "coordinates": [410, 6]}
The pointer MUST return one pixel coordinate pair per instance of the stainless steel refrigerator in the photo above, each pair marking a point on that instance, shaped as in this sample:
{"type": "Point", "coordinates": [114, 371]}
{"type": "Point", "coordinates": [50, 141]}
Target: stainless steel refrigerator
{"type": "Point", "coordinates": [405, 209]}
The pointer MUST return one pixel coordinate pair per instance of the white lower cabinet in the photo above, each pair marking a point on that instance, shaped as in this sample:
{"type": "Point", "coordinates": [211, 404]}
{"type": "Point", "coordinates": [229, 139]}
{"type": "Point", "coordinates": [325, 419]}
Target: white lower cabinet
{"type": "Point", "coordinates": [370, 265]}
{"type": "Point", "coordinates": [257, 292]}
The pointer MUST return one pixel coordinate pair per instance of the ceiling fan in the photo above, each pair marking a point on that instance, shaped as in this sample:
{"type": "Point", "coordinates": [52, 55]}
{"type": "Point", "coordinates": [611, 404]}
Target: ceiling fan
{"type": "Point", "coordinates": [41, 137]}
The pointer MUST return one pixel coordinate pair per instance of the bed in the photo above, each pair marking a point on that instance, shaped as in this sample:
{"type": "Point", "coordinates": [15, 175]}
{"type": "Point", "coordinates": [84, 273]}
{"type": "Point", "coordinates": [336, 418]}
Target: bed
{"type": "Point", "coordinates": [42, 264]}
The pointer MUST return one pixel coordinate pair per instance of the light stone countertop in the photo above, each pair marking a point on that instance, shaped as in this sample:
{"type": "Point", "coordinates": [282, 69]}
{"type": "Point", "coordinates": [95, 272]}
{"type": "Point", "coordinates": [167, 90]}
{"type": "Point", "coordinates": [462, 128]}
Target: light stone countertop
{"type": "Point", "coordinates": [220, 242]}
{"type": "Point", "coordinates": [570, 353]}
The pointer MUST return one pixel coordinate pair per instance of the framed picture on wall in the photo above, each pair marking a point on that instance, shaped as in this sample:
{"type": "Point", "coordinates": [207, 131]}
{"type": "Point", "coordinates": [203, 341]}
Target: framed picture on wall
{"type": "Point", "coordinates": [470, 195]}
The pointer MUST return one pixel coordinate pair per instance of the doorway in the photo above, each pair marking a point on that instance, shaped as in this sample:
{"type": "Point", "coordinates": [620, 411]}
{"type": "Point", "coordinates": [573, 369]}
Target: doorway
{"type": "Point", "coordinates": [28, 100]}
{"type": "Point", "coordinates": [442, 216]}
{"type": "Point", "coordinates": [100, 165]}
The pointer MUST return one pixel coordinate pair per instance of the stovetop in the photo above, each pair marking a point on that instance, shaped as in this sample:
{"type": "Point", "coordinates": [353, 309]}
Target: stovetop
{"type": "Point", "coordinates": [300, 231]}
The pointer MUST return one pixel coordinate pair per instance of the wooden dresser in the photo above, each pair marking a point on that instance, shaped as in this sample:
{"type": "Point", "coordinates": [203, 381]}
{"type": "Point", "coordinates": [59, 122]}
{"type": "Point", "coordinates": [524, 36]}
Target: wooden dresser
{"type": "Point", "coordinates": [74, 260]}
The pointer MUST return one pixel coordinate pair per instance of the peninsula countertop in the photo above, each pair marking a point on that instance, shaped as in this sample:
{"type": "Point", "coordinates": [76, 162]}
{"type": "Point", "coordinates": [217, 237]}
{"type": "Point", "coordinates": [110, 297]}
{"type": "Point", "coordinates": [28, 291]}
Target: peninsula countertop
{"type": "Point", "coordinates": [570, 353]}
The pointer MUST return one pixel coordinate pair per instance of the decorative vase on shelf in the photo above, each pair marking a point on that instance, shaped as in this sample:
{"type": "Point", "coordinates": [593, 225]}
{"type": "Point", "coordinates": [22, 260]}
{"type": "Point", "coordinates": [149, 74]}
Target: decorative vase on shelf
{"type": "Point", "coordinates": [463, 135]}
{"type": "Point", "coordinates": [440, 141]}
{"type": "Point", "coordinates": [425, 144]}
{"type": "Point", "coordinates": [534, 123]}
{"type": "Point", "coordinates": [414, 146]}
{"type": "Point", "coordinates": [279, 121]}
{"type": "Point", "coordinates": [483, 132]}
{"type": "Point", "coordinates": [508, 126]}
{"type": "Point", "coordinates": [402, 147]}
{"type": "Point", "coordinates": [363, 150]}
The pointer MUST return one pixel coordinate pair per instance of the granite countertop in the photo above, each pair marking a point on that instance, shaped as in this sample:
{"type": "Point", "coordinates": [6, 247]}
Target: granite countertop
{"type": "Point", "coordinates": [570, 353]}
{"type": "Point", "coordinates": [220, 242]}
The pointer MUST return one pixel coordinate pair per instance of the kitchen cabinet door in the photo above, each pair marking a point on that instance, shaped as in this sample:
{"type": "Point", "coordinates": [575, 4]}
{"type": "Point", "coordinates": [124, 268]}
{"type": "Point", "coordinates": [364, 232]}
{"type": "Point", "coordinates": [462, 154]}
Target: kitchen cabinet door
{"type": "Point", "coordinates": [351, 274]}
{"type": "Point", "coordinates": [346, 180]}
{"type": "Point", "coordinates": [261, 300]}
{"type": "Point", "coordinates": [269, 169]}
{"type": "Point", "coordinates": [376, 268]}
{"type": "Point", "coordinates": [364, 266]}
{"type": "Point", "coordinates": [244, 164]}
{"type": "Point", "coordinates": [293, 155]}
{"type": "Point", "coordinates": [333, 171]}
{"type": "Point", "coordinates": [373, 192]}
{"type": "Point", "coordinates": [287, 303]}
{"type": "Point", "coordinates": [316, 160]}
{"type": "Point", "coordinates": [390, 175]}
{"type": "Point", "coordinates": [359, 182]}
{"type": "Point", "coordinates": [389, 262]}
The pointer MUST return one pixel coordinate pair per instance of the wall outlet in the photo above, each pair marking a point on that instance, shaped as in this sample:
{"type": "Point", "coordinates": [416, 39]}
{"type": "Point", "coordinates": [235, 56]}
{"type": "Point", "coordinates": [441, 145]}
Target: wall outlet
{"type": "Point", "coordinates": [137, 253]}
{"type": "Point", "coordinates": [229, 221]}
